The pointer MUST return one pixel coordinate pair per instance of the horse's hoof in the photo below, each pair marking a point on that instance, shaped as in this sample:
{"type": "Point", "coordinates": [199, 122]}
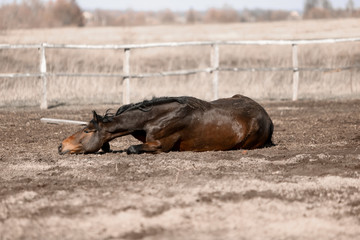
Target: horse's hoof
{"type": "Point", "coordinates": [132, 150]}
{"type": "Point", "coordinates": [106, 147]}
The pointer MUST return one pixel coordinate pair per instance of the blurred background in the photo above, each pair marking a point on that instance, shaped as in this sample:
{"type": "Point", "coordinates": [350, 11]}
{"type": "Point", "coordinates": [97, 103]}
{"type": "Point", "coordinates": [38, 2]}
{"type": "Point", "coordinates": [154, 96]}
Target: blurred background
{"type": "Point", "coordinates": [60, 13]}
{"type": "Point", "coordinates": [140, 22]}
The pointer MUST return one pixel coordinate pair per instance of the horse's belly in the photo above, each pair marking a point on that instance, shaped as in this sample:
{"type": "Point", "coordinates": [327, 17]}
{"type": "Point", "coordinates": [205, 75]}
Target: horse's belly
{"type": "Point", "coordinates": [213, 138]}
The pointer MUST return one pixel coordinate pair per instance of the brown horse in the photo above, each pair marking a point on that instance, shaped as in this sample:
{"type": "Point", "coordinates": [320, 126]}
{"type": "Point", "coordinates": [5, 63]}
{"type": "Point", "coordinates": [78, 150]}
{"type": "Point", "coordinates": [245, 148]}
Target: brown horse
{"type": "Point", "coordinates": [178, 124]}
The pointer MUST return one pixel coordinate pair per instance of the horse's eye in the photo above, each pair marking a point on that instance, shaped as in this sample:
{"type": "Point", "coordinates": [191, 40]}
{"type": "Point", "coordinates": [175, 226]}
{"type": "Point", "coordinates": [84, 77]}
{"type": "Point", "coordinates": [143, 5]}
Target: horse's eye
{"type": "Point", "coordinates": [89, 130]}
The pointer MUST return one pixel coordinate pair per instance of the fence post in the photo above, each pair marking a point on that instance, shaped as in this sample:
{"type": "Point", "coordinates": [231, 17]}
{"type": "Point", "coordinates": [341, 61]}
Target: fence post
{"type": "Point", "coordinates": [43, 103]}
{"type": "Point", "coordinates": [215, 70]}
{"type": "Point", "coordinates": [126, 78]}
{"type": "Point", "coordinates": [295, 72]}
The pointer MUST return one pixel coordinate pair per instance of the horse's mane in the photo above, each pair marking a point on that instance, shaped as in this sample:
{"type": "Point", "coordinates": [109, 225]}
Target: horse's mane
{"type": "Point", "coordinates": [147, 105]}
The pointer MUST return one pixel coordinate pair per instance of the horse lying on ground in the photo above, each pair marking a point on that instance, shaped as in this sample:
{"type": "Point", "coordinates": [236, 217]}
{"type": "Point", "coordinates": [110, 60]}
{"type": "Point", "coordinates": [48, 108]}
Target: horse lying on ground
{"type": "Point", "coordinates": [178, 124]}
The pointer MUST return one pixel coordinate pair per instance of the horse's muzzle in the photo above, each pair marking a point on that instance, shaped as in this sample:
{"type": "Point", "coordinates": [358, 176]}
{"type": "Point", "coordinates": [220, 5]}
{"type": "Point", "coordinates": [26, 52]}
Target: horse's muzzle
{"type": "Point", "coordinates": [60, 150]}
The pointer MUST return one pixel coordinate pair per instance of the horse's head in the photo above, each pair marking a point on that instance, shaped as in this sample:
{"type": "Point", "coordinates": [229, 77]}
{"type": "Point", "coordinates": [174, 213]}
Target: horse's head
{"type": "Point", "coordinates": [88, 140]}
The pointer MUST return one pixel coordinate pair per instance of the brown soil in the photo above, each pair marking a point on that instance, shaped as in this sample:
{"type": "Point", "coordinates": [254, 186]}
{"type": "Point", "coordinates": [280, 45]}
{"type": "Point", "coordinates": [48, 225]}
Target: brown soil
{"type": "Point", "coordinates": [306, 187]}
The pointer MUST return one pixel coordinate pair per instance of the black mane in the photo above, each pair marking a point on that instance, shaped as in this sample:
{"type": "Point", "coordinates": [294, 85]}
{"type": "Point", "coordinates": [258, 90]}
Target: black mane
{"type": "Point", "coordinates": [148, 104]}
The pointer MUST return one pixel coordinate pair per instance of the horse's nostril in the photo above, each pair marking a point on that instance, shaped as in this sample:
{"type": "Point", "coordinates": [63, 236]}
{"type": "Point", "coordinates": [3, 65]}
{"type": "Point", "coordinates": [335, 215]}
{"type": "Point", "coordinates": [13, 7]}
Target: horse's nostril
{"type": "Point", "coordinates": [60, 148]}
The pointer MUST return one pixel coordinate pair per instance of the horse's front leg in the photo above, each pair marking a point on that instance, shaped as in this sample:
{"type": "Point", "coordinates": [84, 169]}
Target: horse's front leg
{"type": "Point", "coordinates": [106, 147]}
{"type": "Point", "coordinates": [151, 147]}
{"type": "Point", "coordinates": [165, 144]}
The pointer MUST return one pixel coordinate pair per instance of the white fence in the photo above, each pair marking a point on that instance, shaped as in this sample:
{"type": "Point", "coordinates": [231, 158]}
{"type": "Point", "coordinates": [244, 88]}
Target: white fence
{"type": "Point", "coordinates": [213, 69]}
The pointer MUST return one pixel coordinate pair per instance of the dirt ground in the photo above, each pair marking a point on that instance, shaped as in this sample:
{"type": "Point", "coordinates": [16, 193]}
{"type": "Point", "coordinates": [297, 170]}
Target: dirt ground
{"type": "Point", "coordinates": [306, 187]}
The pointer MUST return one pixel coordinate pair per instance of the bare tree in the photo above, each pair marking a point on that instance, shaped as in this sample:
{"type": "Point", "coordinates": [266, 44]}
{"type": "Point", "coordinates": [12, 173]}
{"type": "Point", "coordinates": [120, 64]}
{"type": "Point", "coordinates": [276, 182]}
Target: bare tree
{"type": "Point", "coordinates": [67, 13]}
{"type": "Point", "coordinates": [167, 16]}
{"type": "Point", "coordinates": [318, 9]}
{"type": "Point", "coordinates": [326, 4]}
{"type": "Point", "coordinates": [310, 4]}
{"type": "Point", "coordinates": [350, 7]}
{"type": "Point", "coordinates": [226, 14]}
{"type": "Point", "coordinates": [191, 16]}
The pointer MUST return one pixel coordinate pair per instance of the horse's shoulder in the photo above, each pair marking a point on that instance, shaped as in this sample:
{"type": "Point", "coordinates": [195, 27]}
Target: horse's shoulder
{"type": "Point", "coordinates": [198, 104]}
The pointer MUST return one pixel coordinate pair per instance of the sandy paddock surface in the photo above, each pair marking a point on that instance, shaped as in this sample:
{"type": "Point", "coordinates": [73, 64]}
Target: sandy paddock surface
{"type": "Point", "coordinates": [306, 187]}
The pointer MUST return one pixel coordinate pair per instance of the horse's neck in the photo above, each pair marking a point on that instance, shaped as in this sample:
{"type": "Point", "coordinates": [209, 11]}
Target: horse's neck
{"type": "Point", "coordinates": [127, 121]}
{"type": "Point", "coordinates": [137, 119]}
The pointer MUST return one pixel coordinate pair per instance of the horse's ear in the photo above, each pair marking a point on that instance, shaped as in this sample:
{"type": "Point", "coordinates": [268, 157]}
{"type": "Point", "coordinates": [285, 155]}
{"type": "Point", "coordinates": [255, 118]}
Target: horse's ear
{"type": "Point", "coordinates": [96, 117]}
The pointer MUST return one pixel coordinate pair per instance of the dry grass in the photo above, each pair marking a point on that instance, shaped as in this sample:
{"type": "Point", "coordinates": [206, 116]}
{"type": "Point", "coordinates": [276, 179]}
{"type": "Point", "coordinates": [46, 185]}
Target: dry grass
{"type": "Point", "coordinates": [257, 85]}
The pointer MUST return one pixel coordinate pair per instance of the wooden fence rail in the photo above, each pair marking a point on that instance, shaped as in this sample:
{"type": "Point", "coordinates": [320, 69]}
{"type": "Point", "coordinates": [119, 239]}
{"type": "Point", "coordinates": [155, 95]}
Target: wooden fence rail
{"type": "Point", "coordinates": [214, 69]}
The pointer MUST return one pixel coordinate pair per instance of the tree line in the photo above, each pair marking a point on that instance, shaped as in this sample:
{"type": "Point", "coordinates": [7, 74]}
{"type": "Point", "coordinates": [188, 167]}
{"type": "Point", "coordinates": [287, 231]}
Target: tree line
{"type": "Point", "coordinates": [61, 13]}
{"type": "Point", "coordinates": [316, 9]}
{"type": "Point", "coordinates": [37, 14]}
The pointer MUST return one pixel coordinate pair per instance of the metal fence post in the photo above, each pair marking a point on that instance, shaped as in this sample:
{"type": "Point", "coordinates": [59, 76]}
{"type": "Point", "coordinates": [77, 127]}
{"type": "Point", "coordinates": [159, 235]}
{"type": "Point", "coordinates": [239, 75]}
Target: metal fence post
{"type": "Point", "coordinates": [43, 103]}
{"type": "Point", "coordinates": [126, 78]}
{"type": "Point", "coordinates": [295, 72]}
{"type": "Point", "coordinates": [215, 70]}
